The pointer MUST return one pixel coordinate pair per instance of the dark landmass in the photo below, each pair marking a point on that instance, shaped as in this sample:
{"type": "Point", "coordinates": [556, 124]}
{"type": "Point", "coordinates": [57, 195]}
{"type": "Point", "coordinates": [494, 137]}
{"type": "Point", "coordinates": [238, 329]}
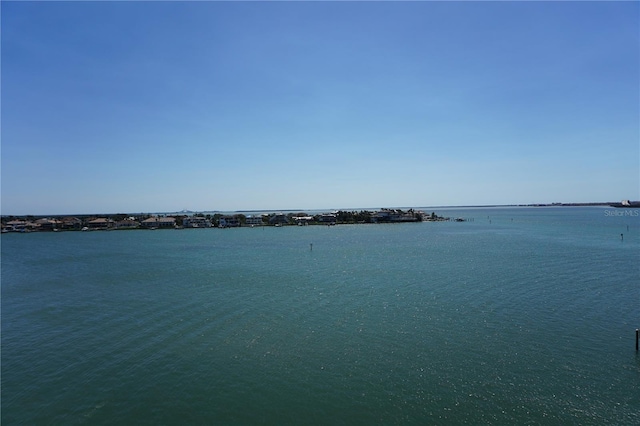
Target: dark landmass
{"type": "Point", "coordinates": [199, 220]}
{"type": "Point", "coordinates": [188, 219]}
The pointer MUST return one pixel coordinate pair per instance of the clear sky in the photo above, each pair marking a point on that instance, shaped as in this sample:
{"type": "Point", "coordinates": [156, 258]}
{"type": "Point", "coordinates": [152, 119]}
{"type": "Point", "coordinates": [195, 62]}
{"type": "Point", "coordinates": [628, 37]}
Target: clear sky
{"type": "Point", "coordinates": [163, 106]}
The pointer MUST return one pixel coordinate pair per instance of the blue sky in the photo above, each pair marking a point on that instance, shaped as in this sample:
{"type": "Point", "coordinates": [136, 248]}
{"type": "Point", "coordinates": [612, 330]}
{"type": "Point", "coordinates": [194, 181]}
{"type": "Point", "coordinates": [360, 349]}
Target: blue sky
{"type": "Point", "coordinates": [162, 106]}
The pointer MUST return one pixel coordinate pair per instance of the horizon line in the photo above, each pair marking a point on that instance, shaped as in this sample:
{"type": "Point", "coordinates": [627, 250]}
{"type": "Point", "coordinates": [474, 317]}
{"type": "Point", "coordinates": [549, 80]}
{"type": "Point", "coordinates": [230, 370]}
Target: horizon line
{"type": "Point", "coordinates": [553, 204]}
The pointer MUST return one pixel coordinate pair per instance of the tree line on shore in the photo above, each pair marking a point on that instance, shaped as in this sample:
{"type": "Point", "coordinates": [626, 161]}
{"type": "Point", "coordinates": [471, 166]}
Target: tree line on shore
{"type": "Point", "coordinates": [198, 220]}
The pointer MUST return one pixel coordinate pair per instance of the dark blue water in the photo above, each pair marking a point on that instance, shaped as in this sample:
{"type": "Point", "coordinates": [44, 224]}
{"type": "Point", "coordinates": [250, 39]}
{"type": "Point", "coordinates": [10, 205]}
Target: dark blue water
{"type": "Point", "coordinates": [522, 316]}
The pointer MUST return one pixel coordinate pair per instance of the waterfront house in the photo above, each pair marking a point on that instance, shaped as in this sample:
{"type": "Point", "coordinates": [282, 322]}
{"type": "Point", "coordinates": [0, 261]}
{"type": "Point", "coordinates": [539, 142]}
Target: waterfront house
{"type": "Point", "coordinates": [254, 220]}
{"type": "Point", "coordinates": [127, 224]}
{"type": "Point", "coordinates": [100, 223]}
{"type": "Point", "coordinates": [196, 222]}
{"type": "Point", "coordinates": [381, 216]}
{"type": "Point", "coordinates": [327, 218]}
{"type": "Point", "coordinates": [151, 222]}
{"type": "Point", "coordinates": [390, 215]}
{"type": "Point", "coordinates": [19, 226]}
{"type": "Point", "coordinates": [167, 222]}
{"type": "Point", "coordinates": [46, 224]}
{"type": "Point", "coordinates": [159, 222]}
{"type": "Point", "coordinates": [229, 222]}
{"type": "Point", "coordinates": [279, 219]}
{"type": "Point", "coordinates": [71, 223]}
{"type": "Point", "coordinates": [303, 220]}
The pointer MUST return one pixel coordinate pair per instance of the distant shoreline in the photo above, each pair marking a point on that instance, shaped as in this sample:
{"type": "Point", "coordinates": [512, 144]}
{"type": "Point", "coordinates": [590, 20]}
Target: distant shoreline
{"type": "Point", "coordinates": [476, 206]}
{"type": "Point", "coordinates": [634, 204]}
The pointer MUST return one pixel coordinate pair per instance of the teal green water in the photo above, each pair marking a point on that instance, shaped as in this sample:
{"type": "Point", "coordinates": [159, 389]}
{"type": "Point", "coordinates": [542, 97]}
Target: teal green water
{"type": "Point", "coordinates": [523, 316]}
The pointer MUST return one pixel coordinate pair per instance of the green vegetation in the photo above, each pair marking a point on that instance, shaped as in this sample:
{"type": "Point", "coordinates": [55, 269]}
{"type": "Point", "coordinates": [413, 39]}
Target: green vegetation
{"type": "Point", "coordinates": [128, 221]}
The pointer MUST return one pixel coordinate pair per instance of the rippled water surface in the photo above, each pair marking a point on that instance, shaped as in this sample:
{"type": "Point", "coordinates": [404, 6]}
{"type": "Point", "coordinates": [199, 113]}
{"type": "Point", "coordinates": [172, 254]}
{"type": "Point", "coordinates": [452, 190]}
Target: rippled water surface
{"type": "Point", "coordinates": [521, 316]}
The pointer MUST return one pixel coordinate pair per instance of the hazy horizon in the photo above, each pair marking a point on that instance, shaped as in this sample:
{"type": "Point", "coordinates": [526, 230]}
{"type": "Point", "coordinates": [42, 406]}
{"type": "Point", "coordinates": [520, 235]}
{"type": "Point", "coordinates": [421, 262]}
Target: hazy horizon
{"type": "Point", "coordinates": [314, 210]}
{"type": "Point", "coordinates": [153, 106]}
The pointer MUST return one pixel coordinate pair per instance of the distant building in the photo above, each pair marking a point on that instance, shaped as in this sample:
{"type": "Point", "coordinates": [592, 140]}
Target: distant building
{"type": "Point", "coordinates": [229, 222]}
{"type": "Point", "coordinates": [327, 218]}
{"type": "Point", "coordinates": [303, 220]}
{"type": "Point", "coordinates": [390, 215]}
{"type": "Point", "coordinates": [254, 220]}
{"type": "Point", "coordinates": [19, 226]}
{"type": "Point", "coordinates": [279, 219]}
{"type": "Point", "coordinates": [71, 223]}
{"type": "Point", "coordinates": [100, 223]}
{"type": "Point", "coordinates": [382, 216]}
{"type": "Point", "coordinates": [127, 224]}
{"type": "Point", "coordinates": [167, 222]}
{"type": "Point", "coordinates": [196, 222]}
{"type": "Point", "coordinates": [159, 222]}
{"type": "Point", "coordinates": [48, 224]}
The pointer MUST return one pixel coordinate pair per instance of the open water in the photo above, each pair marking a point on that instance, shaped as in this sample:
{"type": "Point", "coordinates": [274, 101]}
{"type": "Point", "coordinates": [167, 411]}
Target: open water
{"type": "Point", "coordinates": [521, 316]}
